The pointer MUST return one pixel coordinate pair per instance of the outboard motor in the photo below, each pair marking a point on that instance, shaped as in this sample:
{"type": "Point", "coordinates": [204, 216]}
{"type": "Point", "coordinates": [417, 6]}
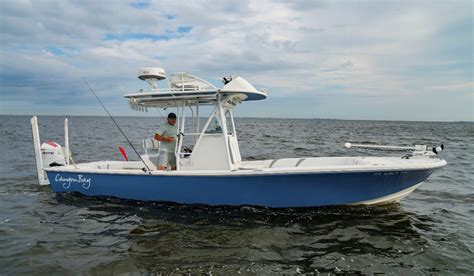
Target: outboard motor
{"type": "Point", "coordinates": [52, 154]}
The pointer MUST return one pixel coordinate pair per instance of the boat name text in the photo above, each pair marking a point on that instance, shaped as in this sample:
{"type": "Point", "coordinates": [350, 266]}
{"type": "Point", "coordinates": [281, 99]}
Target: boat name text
{"type": "Point", "coordinates": [80, 179]}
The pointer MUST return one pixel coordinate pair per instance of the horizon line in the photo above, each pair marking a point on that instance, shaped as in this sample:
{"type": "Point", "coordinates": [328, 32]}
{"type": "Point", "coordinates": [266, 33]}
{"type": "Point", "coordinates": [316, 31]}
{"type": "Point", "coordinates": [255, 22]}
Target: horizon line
{"type": "Point", "coordinates": [244, 117]}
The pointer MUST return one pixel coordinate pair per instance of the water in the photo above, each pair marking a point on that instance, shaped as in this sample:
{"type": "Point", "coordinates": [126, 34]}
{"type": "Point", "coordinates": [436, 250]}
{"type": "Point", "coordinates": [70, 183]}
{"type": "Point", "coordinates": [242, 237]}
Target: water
{"type": "Point", "coordinates": [431, 231]}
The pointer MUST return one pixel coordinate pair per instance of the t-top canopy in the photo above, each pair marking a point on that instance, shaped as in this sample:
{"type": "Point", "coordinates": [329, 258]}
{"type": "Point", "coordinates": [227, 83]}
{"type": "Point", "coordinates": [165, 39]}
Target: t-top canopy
{"type": "Point", "coordinates": [193, 91]}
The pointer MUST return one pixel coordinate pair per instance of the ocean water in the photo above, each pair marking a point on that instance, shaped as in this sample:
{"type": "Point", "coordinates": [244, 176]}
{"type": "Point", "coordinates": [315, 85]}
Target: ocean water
{"type": "Point", "coordinates": [429, 232]}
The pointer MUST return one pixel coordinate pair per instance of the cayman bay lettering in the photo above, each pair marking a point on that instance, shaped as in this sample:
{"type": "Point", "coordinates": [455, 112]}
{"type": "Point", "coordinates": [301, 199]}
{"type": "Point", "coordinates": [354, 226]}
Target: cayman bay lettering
{"type": "Point", "coordinates": [80, 179]}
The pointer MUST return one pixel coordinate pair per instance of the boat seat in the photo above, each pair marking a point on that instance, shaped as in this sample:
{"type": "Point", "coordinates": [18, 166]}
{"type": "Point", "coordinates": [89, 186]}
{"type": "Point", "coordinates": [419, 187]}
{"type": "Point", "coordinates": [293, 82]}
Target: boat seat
{"type": "Point", "coordinates": [150, 145]}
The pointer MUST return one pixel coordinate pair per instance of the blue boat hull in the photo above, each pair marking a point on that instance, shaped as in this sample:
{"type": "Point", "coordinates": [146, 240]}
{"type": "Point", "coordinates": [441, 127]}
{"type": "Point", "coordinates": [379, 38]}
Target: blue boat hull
{"type": "Point", "coordinates": [270, 190]}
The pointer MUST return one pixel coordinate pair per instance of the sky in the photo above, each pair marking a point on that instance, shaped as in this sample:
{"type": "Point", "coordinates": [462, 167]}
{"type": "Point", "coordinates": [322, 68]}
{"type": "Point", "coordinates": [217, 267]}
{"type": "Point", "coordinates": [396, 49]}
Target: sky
{"type": "Point", "coordinates": [364, 60]}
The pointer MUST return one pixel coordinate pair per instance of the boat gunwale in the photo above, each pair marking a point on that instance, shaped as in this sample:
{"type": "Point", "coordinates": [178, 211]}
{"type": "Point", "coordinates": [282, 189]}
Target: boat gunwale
{"type": "Point", "coordinates": [369, 168]}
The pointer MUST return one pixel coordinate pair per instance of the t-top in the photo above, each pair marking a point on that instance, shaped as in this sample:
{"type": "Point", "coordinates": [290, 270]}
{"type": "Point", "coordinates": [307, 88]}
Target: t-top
{"type": "Point", "coordinates": [168, 130]}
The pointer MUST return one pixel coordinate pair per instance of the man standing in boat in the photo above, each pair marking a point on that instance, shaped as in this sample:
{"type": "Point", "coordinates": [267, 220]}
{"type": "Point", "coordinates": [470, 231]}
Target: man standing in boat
{"type": "Point", "coordinates": [167, 134]}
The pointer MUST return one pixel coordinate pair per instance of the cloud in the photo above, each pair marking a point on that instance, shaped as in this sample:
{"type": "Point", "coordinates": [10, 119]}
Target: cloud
{"type": "Point", "coordinates": [311, 51]}
{"type": "Point", "coordinates": [180, 32]}
{"type": "Point", "coordinates": [455, 87]}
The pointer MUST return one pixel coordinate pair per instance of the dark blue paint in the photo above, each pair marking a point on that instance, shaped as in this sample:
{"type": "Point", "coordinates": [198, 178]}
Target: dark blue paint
{"type": "Point", "coordinates": [251, 96]}
{"type": "Point", "coordinates": [255, 96]}
{"type": "Point", "coordinates": [284, 190]}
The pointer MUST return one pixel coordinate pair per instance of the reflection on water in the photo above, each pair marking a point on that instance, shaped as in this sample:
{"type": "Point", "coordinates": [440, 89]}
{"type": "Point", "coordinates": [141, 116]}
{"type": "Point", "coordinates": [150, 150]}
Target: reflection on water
{"type": "Point", "coordinates": [197, 238]}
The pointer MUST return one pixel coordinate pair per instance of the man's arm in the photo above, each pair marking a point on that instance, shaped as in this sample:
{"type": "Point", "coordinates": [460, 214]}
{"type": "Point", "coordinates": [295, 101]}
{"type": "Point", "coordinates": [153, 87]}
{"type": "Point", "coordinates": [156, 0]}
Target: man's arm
{"type": "Point", "coordinates": [168, 139]}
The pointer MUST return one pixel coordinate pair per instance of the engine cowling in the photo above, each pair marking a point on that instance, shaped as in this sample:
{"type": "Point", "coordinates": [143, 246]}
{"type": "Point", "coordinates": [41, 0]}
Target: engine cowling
{"type": "Point", "coordinates": [52, 154]}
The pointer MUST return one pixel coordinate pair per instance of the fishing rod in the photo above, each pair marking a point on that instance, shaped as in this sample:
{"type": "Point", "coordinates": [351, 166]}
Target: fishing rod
{"type": "Point", "coordinates": [128, 141]}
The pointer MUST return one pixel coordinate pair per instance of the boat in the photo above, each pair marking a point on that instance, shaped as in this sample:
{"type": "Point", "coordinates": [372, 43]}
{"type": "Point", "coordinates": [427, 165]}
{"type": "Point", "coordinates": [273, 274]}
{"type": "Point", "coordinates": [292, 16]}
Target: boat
{"type": "Point", "coordinates": [210, 169]}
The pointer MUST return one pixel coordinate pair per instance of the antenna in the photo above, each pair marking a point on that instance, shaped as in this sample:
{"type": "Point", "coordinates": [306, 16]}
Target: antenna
{"type": "Point", "coordinates": [128, 141]}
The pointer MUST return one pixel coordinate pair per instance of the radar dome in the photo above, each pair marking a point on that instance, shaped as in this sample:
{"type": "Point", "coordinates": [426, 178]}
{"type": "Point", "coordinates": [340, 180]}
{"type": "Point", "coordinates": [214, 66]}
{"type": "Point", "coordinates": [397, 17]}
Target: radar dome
{"type": "Point", "coordinates": [152, 75]}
